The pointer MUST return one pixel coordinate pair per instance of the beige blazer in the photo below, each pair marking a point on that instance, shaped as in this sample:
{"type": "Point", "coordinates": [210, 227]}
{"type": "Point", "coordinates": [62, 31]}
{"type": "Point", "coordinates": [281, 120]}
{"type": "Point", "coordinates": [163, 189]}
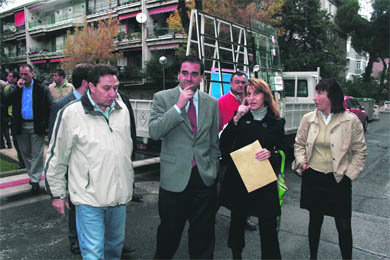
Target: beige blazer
{"type": "Point", "coordinates": [348, 145]}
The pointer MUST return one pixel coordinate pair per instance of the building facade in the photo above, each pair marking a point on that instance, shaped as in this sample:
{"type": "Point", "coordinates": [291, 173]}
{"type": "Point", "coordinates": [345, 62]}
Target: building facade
{"type": "Point", "coordinates": [35, 33]}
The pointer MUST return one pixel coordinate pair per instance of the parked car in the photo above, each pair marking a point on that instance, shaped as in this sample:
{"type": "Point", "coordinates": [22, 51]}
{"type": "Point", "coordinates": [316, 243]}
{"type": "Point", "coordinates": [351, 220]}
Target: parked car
{"type": "Point", "coordinates": [352, 105]}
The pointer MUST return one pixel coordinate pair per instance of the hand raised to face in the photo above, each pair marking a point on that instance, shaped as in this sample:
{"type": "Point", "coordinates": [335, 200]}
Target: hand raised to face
{"type": "Point", "coordinates": [241, 111]}
{"type": "Point", "coordinates": [186, 94]}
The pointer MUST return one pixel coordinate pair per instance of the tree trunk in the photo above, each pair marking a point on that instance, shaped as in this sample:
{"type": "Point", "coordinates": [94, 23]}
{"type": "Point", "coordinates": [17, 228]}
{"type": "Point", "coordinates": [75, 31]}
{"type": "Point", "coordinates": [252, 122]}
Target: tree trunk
{"type": "Point", "coordinates": [383, 74]}
{"type": "Point", "coordinates": [368, 70]}
{"type": "Point", "coordinates": [198, 5]}
{"type": "Point", "coordinates": [182, 9]}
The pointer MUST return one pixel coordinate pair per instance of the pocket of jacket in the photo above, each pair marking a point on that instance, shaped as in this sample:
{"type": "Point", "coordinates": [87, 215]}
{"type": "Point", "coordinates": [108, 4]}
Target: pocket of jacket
{"type": "Point", "coordinates": [168, 158]}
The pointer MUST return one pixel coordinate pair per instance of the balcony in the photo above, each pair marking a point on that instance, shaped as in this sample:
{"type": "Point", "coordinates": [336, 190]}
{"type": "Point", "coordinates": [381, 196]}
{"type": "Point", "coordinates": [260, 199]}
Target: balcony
{"type": "Point", "coordinates": [50, 23]}
{"type": "Point", "coordinates": [163, 33]}
{"type": "Point", "coordinates": [127, 3]}
{"type": "Point", "coordinates": [128, 40]}
{"type": "Point", "coordinates": [101, 9]}
{"type": "Point", "coordinates": [16, 56]}
{"type": "Point", "coordinates": [8, 35]}
{"type": "Point", "coordinates": [46, 53]}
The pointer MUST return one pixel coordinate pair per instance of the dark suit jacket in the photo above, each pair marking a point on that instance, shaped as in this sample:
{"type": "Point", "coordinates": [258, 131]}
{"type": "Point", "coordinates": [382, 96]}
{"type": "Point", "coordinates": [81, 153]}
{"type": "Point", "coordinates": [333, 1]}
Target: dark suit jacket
{"type": "Point", "coordinates": [179, 145]}
{"type": "Point", "coordinates": [42, 101]}
{"type": "Point", "coordinates": [55, 107]}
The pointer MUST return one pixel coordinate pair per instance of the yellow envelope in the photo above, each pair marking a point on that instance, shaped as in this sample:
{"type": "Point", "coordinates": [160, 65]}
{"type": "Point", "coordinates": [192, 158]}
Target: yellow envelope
{"type": "Point", "coordinates": [254, 173]}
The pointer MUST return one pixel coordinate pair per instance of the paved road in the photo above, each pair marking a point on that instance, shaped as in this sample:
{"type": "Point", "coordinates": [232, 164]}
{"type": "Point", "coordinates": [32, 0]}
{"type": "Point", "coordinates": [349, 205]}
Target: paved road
{"type": "Point", "coordinates": [30, 229]}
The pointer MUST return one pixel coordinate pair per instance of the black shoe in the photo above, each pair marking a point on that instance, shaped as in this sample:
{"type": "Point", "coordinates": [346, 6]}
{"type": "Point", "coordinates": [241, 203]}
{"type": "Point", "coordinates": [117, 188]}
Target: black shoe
{"type": "Point", "coordinates": [250, 226]}
{"type": "Point", "coordinates": [127, 250]}
{"type": "Point", "coordinates": [75, 248]}
{"type": "Point", "coordinates": [35, 189]}
{"type": "Point", "coordinates": [137, 197]}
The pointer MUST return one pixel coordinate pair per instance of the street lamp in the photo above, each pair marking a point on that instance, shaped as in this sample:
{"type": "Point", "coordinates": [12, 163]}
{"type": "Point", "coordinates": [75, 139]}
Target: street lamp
{"type": "Point", "coordinates": [163, 60]}
{"type": "Point", "coordinates": [256, 70]}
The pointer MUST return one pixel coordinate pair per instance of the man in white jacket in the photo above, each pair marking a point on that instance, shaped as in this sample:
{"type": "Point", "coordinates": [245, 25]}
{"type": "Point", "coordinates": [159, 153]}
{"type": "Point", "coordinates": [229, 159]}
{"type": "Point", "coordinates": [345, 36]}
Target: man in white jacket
{"type": "Point", "coordinates": [92, 141]}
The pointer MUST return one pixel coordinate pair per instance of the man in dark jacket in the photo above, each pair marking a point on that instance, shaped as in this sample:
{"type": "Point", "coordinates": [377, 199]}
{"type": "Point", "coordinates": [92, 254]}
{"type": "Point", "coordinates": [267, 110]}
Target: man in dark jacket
{"type": "Point", "coordinates": [31, 106]}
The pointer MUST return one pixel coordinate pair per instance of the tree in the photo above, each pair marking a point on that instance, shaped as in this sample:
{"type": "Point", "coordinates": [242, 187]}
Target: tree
{"type": "Point", "coordinates": [310, 40]}
{"type": "Point", "coordinates": [368, 36]}
{"type": "Point", "coordinates": [91, 44]}
{"type": "Point", "coordinates": [267, 11]}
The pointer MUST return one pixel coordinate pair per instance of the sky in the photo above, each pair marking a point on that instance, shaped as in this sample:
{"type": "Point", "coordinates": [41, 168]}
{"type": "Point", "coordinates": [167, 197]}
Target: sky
{"type": "Point", "coordinates": [13, 3]}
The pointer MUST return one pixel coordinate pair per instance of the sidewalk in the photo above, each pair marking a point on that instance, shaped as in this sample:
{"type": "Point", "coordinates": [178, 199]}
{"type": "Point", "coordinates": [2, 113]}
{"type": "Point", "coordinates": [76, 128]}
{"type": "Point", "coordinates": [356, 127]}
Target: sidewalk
{"type": "Point", "coordinates": [17, 181]}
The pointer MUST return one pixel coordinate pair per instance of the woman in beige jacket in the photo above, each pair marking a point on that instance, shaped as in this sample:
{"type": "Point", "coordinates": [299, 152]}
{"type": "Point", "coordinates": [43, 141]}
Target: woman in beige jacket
{"type": "Point", "coordinates": [330, 152]}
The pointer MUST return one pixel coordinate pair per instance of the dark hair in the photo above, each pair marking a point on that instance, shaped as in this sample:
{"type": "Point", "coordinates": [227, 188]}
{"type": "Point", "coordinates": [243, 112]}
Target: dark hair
{"type": "Point", "coordinates": [80, 73]}
{"type": "Point", "coordinates": [15, 74]}
{"type": "Point", "coordinates": [101, 70]}
{"type": "Point", "coordinates": [238, 74]}
{"type": "Point", "coordinates": [60, 72]}
{"type": "Point", "coordinates": [28, 66]}
{"type": "Point", "coordinates": [192, 59]}
{"type": "Point", "coordinates": [335, 94]}
{"type": "Point", "coordinates": [261, 86]}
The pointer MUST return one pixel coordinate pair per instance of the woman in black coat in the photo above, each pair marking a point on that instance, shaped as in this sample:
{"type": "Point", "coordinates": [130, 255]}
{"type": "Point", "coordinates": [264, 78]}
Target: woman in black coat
{"type": "Point", "coordinates": [257, 119]}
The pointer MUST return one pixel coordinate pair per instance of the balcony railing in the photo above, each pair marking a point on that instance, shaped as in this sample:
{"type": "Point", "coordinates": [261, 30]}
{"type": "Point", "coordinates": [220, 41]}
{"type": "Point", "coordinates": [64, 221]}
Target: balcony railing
{"type": "Point", "coordinates": [16, 54]}
{"type": "Point", "coordinates": [51, 21]}
{"type": "Point", "coordinates": [51, 50]}
{"type": "Point", "coordinates": [163, 32]}
{"type": "Point", "coordinates": [122, 36]}
{"type": "Point", "coordinates": [102, 8]}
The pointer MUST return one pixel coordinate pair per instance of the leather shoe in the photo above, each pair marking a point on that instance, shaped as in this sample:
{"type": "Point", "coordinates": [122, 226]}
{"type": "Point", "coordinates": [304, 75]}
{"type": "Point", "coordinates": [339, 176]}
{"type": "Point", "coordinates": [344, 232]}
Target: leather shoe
{"type": "Point", "coordinates": [250, 226]}
{"type": "Point", "coordinates": [75, 248]}
{"type": "Point", "coordinates": [35, 189]}
{"type": "Point", "coordinates": [127, 250]}
{"type": "Point", "coordinates": [137, 197]}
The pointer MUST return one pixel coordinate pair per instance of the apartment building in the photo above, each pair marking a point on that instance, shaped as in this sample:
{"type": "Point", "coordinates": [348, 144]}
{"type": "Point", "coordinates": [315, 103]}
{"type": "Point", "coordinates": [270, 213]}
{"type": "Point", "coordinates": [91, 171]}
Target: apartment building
{"type": "Point", "coordinates": [36, 32]}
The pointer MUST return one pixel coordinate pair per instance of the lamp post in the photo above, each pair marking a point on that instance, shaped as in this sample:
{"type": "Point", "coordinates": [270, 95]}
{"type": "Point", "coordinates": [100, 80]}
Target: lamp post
{"type": "Point", "coordinates": [256, 70]}
{"type": "Point", "coordinates": [163, 60]}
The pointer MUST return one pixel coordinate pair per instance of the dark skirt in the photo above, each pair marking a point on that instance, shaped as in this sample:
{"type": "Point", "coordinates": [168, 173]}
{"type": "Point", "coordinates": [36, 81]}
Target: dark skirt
{"type": "Point", "coordinates": [320, 192]}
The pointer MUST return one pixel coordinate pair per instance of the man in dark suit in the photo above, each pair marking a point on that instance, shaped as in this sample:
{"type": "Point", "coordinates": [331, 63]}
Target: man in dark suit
{"type": "Point", "coordinates": [187, 122]}
{"type": "Point", "coordinates": [31, 106]}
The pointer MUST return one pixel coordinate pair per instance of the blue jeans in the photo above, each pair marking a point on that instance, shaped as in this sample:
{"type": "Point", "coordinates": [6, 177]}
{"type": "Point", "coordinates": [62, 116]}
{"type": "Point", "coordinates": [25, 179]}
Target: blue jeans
{"type": "Point", "coordinates": [101, 231]}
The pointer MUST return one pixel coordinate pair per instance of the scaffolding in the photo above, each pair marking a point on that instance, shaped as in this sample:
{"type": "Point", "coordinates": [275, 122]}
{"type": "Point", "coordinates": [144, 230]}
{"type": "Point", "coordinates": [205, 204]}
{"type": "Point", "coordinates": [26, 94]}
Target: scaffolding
{"type": "Point", "coordinates": [225, 47]}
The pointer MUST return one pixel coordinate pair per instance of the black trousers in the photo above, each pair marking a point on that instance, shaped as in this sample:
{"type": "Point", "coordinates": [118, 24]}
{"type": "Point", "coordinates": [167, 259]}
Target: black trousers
{"type": "Point", "coordinates": [5, 131]}
{"type": "Point", "coordinates": [267, 230]}
{"type": "Point", "coordinates": [197, 205]}
{"type": "Point", "coordinates": [72, 229]}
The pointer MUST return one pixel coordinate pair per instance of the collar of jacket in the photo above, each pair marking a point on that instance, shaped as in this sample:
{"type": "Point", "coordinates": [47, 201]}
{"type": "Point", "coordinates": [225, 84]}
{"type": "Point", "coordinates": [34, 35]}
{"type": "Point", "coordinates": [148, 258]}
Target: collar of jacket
{"type": "Point", "coordinates": [268, 116]}
{"type": "Point", "coordinates": [341, 118]}
{"type": "Point", "coordinates": [89, 109]}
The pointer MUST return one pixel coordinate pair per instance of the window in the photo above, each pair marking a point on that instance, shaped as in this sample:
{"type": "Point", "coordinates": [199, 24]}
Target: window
{"type": "Point", "coordinates": [358, 64]}
{"type": "Point", "coordinates": [289, 88]}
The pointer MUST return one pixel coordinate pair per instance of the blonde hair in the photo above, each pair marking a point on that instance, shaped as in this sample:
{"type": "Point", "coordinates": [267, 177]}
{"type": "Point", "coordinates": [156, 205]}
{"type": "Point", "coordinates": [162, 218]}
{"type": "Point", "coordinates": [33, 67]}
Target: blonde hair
{"type": "Point", "coordinates": [261, 86]}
